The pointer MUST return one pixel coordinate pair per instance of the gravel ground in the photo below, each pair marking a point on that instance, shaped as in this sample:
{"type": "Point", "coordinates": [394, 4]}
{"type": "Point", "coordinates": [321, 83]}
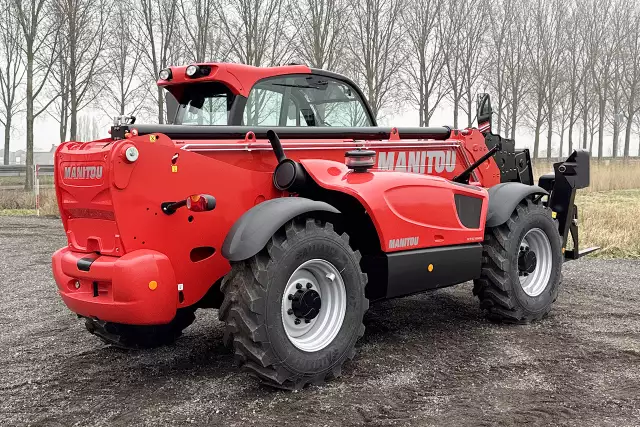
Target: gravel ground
{"type": "Point", "coordinates": [425, 360]}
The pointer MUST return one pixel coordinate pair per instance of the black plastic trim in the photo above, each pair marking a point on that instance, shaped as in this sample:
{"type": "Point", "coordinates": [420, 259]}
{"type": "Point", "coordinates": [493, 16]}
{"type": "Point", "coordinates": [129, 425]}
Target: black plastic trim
{"type": "Point", "coordinates": [403, 273]}
{"type": "Point", "coordinates": [469, 210]}
{"type": "Point", "coordinates": [84, 264]}
{"type": "Point", "coordinates": [254, 228]}
{"type": "Point", "coordinates": [503, 199]}
{"type": "Point", "coordinates": [290, 132]}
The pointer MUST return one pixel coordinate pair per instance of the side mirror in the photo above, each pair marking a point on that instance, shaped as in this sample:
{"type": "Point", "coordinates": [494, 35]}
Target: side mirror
{"type": "Point", "coordinates": [484, 112]}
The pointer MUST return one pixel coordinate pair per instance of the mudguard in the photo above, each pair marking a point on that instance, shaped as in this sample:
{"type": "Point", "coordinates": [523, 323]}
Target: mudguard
{"type": "Point", "coordinates": [503, 199]}
{"type": "Point", "coordinates": [254, 228]}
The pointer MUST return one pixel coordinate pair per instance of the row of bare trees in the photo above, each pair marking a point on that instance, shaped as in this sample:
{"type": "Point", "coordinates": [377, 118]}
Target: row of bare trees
{"type": "Point", "coordinates": [567, 71]}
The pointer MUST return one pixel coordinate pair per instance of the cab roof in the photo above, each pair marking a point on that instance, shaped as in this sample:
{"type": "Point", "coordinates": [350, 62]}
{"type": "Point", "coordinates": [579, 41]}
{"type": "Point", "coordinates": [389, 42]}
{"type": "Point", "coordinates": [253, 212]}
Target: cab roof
{"type": "Point", "coordinates": [239, 78]}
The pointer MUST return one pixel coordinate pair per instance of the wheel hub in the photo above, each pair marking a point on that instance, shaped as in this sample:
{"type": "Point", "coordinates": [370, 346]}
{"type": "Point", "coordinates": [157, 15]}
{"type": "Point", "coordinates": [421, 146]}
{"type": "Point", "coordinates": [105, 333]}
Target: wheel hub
{"type": "Point", "coordinates": [527, 261]}
{"type": "Point", "coordinates": [535, 262]}
{"type": "Point", "coordinates": [306, 304]}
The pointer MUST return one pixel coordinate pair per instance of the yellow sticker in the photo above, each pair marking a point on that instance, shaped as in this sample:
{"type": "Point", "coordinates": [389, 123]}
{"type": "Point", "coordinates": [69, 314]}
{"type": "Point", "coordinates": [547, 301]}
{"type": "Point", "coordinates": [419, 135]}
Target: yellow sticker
{"type": "Point", "coordinates": [174, 168]}
{"type": "Point", "coordinates": [152, 138]}
{"type": "Point", "coordinates": [554, 215]}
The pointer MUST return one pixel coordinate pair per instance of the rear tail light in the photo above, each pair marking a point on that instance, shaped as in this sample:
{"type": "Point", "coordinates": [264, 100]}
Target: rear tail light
{"type": "Point", "coordinates": [201, 203]}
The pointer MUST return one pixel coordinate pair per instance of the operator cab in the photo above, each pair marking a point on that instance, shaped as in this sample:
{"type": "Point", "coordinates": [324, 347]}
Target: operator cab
{"type": "Point", "coordinates": [316, 98]}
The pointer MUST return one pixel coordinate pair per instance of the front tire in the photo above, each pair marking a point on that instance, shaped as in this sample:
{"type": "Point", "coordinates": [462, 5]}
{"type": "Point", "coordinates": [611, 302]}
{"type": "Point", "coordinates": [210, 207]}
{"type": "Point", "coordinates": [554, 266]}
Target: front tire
{"type": "Point", "coordinates": [293, 312]}
{"type": "Point", "coordinates": [522, 266]}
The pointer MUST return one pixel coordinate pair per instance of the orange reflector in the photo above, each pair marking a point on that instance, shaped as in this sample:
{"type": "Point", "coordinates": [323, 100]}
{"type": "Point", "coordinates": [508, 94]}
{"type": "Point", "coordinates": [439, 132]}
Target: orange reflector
{"type": "Point", "coordinates": [153, 285]}
{"type": "Point", "coordinates": [430, 268]}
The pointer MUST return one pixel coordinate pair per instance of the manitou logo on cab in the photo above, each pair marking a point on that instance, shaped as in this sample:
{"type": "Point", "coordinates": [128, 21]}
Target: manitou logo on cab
{"type": "Point", "coordinates": [83, 172]}
{"type": "Point", "coordinates": [403, 243]}
{"type": "Point", "coordinates": [418, 161]}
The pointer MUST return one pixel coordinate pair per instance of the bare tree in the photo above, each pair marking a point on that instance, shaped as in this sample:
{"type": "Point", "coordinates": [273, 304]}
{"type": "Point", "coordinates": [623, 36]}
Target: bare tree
{"type": "Point", "coordinates": [632, 78]}
{"type": "Point", "coordinates": [201, 31]}
{"type": "Point", "coordinates": [40, 33]}
{"type": "Point", "coordinates": [322, 25]}
{"type": "Point", "coordinates": [160, 20]}
{"type": "Point", "coordinates": [255, 30]}
{"type": "Point", "coordinates": [124, 91]}
{"type": "Point", "coordinates": [83, 34]}
{"type": "Point", "coordinates": [11, 73]}
{"type": "Point", "coordinates": [374, 47]}
{"type": "Point", "coordinates": [422, 73]}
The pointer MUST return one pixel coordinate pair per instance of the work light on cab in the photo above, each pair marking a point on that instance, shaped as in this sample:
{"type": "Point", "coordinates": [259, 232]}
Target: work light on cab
{"type": "Point", "coordinates": [165, 74]}
{"type": "Point", "coordinates": [192, 70]}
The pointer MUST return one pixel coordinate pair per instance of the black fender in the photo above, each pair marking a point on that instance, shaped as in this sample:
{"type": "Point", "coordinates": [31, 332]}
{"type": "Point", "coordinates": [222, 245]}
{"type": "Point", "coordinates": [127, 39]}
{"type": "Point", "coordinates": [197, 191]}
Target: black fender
{"type": "Point", "coordinates": [504, 197]}
{"type": "Point", "coordinates": [254, 228]}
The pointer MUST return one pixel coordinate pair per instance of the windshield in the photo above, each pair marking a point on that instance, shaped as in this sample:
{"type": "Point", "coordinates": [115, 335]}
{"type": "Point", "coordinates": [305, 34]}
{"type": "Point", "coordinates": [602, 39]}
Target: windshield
{"type": "Point", "coordinates": [205, 104]}
{"type": "Point", "coordinates": [304, 100]}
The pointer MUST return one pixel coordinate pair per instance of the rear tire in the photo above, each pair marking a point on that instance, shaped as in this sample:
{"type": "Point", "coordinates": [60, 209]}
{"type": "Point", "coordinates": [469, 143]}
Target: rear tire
{"type": "Point", "coordinates": [505, 292]}
{"type": "Point", "coordinates": [258, 295]}
{"type": "Point", "coordinates": [141, 336]}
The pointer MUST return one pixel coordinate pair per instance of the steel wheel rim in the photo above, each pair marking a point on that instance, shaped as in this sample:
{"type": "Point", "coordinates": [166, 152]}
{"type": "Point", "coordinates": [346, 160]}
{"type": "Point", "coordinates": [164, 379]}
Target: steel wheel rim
{"type": "Point", "coordinates": [321, 330]}
{"type": "Point", "coordinates": [536, 282]}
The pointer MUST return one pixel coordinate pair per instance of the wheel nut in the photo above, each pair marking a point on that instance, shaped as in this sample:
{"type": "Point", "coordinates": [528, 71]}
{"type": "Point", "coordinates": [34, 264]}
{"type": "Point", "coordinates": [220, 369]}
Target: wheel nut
{"type": "Point", "coordinates": [522, 248]}
{"type": "Point", "coordinates": [290, 312]}
{"type": "Point", "coordinates": [309, 285]}
{"type": "Point", "coordinates": [290, 297]}
{"type": "Point", "coordinates": [307, 321]}
{"type": "Point", "coordinates": [297, 321]}
{"type": "Point", "coordinates": [299, 286]}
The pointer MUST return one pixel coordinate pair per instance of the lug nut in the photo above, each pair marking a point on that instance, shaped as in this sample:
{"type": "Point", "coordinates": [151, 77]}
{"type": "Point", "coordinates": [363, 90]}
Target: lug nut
{"type": "Point", "coordinates": [299, 286]}
{"type": "Point", "coordinates": [290, 297]}
{"type": "Point", "coordinates": [290, 312]}
{"type": "Point", "coordinates": [307, 321]}
{"type": "Point", "coordinates": [309, 285]}
{"type": "Point", "coordinates": [297, 321]}
{"type": "Point", "coordinates": [522, 248]}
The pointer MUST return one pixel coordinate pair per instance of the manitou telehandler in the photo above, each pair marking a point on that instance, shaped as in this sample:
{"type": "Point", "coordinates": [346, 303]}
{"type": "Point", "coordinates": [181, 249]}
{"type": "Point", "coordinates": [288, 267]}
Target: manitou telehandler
{"type": "Point", "coordinates": [275, 198]}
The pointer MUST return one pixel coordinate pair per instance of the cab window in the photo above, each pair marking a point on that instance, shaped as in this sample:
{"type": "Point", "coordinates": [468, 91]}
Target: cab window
{"type": "Point", "coordinates": [206, 104]}
{"type": "Point", "coordinates": [304, 100]}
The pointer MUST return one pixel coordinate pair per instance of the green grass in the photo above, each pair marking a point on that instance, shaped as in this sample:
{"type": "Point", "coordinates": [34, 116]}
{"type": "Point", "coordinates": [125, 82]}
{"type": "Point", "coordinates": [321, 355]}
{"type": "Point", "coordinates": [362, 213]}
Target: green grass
{"type": "Point", "coordinates": [609, 219]}
{"type": "Point", "coordinates": [17, 212]}
{"type": "Point", "coordinates": [19, 180]}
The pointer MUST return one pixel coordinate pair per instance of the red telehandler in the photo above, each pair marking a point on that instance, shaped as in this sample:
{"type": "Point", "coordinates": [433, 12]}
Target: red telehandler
{"type": "Point", "coordinates": [275, 198]}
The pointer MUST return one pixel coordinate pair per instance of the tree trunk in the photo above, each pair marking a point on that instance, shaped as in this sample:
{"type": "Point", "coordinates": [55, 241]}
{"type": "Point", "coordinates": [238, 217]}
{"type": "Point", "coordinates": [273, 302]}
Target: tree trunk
{"type": "Point", "coordinates": [601, 111]}
{"type": "Point", "coordinates": [160, 106]}
{"type": "Point", "coordinates": [7, 139]}
{"type": "Point", "coordinates": [28, 185]}
{"type": "Point", "coordinates": [549, 136]}
{"type": "Point", "coordinates": [627, 137]}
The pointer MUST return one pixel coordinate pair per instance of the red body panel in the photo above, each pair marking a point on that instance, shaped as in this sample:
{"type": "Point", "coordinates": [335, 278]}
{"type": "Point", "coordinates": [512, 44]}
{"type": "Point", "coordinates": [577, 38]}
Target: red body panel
{"type": "Point", "coordinates": [420, 208]}
{"type": "Point", "coordinates": [239, 78]}
{"type": "Point", "coordinates": [116, 213]}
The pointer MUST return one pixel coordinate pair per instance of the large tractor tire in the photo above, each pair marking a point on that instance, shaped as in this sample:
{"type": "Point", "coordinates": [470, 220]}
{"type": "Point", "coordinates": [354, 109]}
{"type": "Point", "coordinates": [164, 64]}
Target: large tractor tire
{"type": "Point", "coordinates": [139, 336]}
{"type": "Point", "coordinates": [522, 266]}
{"type": "Point", "coordinates": [294, 311]}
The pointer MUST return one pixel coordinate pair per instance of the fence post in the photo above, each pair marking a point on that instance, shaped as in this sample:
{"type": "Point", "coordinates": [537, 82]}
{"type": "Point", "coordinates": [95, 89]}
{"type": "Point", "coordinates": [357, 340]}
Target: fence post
{"type": "Point", "coordinates": [36, 188]}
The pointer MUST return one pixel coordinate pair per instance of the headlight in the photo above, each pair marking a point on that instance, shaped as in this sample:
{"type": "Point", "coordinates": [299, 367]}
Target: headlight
{"type": "Point", "coordinates": [192, 70]}
{"type": "Point", "coordinates": [165, 74]}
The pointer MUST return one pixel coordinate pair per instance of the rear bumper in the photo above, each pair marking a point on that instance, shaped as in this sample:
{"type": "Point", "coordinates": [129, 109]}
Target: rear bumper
{"type": "Point", "coordinates": [118, 289]}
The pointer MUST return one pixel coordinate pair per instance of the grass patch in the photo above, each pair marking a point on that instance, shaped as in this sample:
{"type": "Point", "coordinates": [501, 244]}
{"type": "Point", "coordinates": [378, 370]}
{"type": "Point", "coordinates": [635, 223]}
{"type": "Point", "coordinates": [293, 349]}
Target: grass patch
{"type": "Point", "coordinates": [609, 219]}
{"type": "Point", "coordinates": [605, 175]}
{"type": "Point", "coordinates": [19, 180]}
{"type": "Point", "coordinates": [17, 212]}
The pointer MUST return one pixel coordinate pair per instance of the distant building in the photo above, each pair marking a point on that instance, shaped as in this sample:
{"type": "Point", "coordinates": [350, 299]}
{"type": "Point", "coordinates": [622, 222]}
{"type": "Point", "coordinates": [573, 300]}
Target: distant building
{"type": "Point", "coordinates": [39, 157]}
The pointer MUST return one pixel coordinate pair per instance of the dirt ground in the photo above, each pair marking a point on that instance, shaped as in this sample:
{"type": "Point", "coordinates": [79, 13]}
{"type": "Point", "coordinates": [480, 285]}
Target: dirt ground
{"type": "Point", "coordinates": [424, 360]}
